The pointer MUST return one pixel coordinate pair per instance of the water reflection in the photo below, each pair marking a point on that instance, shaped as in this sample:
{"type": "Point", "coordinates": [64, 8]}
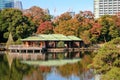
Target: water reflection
{"type": "Point", "coordinates": [19, 71]}
{"type": "Point", "coordinates": [16, 72]}
{"type": "Point", "coordinates": [63, 55]}
{"type": "Point", "coordinates": [76, 71]}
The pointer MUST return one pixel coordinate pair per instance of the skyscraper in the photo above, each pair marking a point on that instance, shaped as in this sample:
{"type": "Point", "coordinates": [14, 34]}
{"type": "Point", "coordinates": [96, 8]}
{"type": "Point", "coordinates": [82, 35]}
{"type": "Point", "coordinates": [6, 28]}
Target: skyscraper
{"type": "Point", "coordinates": [18, 4]}
{"type": "Point", "coordinates": [46, 11]}
{"type": "Point", "coordinates": [102, 7]}
{"type": "Point", "coordinates": [6, 4]}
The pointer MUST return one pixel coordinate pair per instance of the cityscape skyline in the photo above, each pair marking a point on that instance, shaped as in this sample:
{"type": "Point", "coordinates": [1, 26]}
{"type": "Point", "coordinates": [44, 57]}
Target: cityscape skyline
{"type": "Point", "coordinates": [97, 7]}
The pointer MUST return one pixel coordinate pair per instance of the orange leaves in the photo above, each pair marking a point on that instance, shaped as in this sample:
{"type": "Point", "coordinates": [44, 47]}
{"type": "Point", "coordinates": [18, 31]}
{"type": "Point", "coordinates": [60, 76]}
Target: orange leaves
{"type": "Point", "coordinates": [69, 27]}
{"type": "Point", "coordinates": [36, 14]}
{"type": "Point", "coordinates": [65, 16]}
{"type": "Point", "coordinates": [45, 28]}
{"type": "Point", "coordinates": [96, 29]}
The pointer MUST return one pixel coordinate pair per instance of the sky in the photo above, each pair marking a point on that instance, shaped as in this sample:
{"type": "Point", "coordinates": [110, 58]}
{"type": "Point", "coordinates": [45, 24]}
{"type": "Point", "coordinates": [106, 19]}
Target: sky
{"type": "Point", "coordinates": [58, 7]}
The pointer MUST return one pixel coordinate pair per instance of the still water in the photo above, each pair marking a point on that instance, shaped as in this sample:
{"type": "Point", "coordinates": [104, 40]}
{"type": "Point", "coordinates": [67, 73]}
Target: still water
{"type": "Point", "coordinates": [69, 71]}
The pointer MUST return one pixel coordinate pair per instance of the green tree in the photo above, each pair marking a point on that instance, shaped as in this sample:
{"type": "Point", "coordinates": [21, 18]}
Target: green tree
{"type": "Point", "coordinates": [106, 22]}
{"type": "Point", "coordinates": [60, 44]}
{"type": "Point", "coordinates": [107, 58]}
{"type": "Point", "coordinates": [12, 20]}
{"type": "Point", "coordinates": [114, 30]}
{"type": "Point", "coordinates": [113, 74]}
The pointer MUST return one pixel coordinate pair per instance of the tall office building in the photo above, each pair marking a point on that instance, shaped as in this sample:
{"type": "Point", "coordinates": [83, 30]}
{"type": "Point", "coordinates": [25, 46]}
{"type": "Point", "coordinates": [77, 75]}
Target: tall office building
{"type": "Point", "coordinates": [18, 4]}
{"type": "Point", "coordinates": [10, 4]}
{"type": "Point", "coordinates": [46, 11]}
{"type": "Point", "coordinates": [6, 4]}
{"type": "Point", "coordinates": [103, 7]}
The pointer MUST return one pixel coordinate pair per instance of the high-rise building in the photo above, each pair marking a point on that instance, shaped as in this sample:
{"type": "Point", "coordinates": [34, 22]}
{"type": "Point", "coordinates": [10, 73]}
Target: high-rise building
{"type": "Point", "coordinates": [6, 4]}
{"type": "Point", "coordinates": [18, 4]}
{"type": "Point", "coordinates": [103, 7]}
{"type": "Point", "coordinates": [10, 4]}
{"type": "Point", "coordinates": [46, 11]}
{"type": "Point", "coordinates": [72, 13]}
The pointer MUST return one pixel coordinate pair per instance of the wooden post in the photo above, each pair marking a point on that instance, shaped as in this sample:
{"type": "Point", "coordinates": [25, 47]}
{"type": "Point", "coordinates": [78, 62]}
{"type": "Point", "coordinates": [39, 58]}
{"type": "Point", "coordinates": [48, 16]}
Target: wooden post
{"type": "Point", "coordinates": [69, 44]}
{"type": "Point", "coordinates": [20, 51]}
{"type": "Point", "coordinates": [54, 56]}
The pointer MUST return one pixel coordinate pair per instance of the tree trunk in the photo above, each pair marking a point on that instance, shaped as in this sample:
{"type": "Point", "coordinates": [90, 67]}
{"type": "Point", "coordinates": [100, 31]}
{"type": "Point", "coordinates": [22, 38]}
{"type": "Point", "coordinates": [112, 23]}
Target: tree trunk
{"type": "Point", "coordinates": [105, 39]}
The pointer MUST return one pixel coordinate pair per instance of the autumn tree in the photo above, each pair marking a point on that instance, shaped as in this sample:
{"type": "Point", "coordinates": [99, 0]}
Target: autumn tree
{"type": "Point", "coordinates": [12, 20]}
{"type": "Point", "coordinates": [95, 32]}
{"type": "Point", "coordinates": [85, 35]}
{"type": "Point", "coordinates": [63, 17]}
{"type": "Point", "coordinates": [84, 15]}
{"type": "Point", "coordinates": [37, 15]}
{"type": "Point", "coordinates": [86, 21]}
{"type": "Point", "coordinates": [75, 25]}
{"type": "Point", "coordinates": [69, 27]}
{"type": "Point", "coordinates": [45, 28]}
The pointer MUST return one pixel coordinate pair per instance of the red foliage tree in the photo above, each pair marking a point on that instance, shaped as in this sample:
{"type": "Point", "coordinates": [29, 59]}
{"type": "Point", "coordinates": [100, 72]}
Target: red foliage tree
{"type": "Point", "coordinates": [37, 15]}
{"type": "Point", "coordinates": [45, 28]}
{"type": "Point", "coordinates": [96, 29]}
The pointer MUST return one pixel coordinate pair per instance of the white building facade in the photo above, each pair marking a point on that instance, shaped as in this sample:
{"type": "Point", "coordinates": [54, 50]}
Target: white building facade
{"type": "Point", "coordinates": [18, 4]}
{"type": "Point", "coordinates": [106, 7]}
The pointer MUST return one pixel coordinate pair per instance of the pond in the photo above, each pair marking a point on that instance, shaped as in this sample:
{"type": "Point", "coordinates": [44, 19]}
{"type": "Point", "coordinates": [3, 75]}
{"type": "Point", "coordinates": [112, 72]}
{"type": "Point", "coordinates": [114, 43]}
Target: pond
{"type": "Point", "coordinates": [19, 70]}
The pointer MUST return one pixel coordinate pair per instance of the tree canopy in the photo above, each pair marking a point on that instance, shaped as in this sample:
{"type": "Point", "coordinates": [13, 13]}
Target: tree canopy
{"type": "Point", "coordinates": [12, 20]}
{"type": "Point", "coordinates": [37, 15]}
{"type": "Point", "coordinates": [107, 60]}
{"type": "Point", "coordinates": [45, 28]}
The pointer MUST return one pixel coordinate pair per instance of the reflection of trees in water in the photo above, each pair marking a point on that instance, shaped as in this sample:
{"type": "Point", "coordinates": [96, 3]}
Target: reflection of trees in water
{"type": "Point", "coordinates": [38, 74]}
{"type": "Point", "coordinates": [16, 71]}
{"type": "Point", "coordinates": [20, 71]}
{"type": "Point", "coordinates": [35, 75]}
{"type": "Point", "coordinates": [79, 69]}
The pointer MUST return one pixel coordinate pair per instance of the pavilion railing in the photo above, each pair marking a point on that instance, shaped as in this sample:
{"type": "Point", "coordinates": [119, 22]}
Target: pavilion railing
{"type": "Point", "coordinates": [23, 47]}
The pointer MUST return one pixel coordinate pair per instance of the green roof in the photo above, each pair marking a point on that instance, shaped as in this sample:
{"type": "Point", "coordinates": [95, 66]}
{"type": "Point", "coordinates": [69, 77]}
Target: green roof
{"type": "Point", "coordinates": [74, 38]}
{"type": "Point", "coordinates": [47, 37]}
{"type": "Point", "coordinates": [51, 37]}
{"type": "Point", "coordinates": [61, 37]}
{"type": "Point", "coordinates": [33, 38]}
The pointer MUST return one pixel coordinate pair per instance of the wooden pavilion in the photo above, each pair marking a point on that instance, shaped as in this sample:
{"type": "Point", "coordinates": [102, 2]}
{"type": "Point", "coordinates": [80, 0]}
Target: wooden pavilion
{"type": "Point", "coordinates": [41, 43]}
